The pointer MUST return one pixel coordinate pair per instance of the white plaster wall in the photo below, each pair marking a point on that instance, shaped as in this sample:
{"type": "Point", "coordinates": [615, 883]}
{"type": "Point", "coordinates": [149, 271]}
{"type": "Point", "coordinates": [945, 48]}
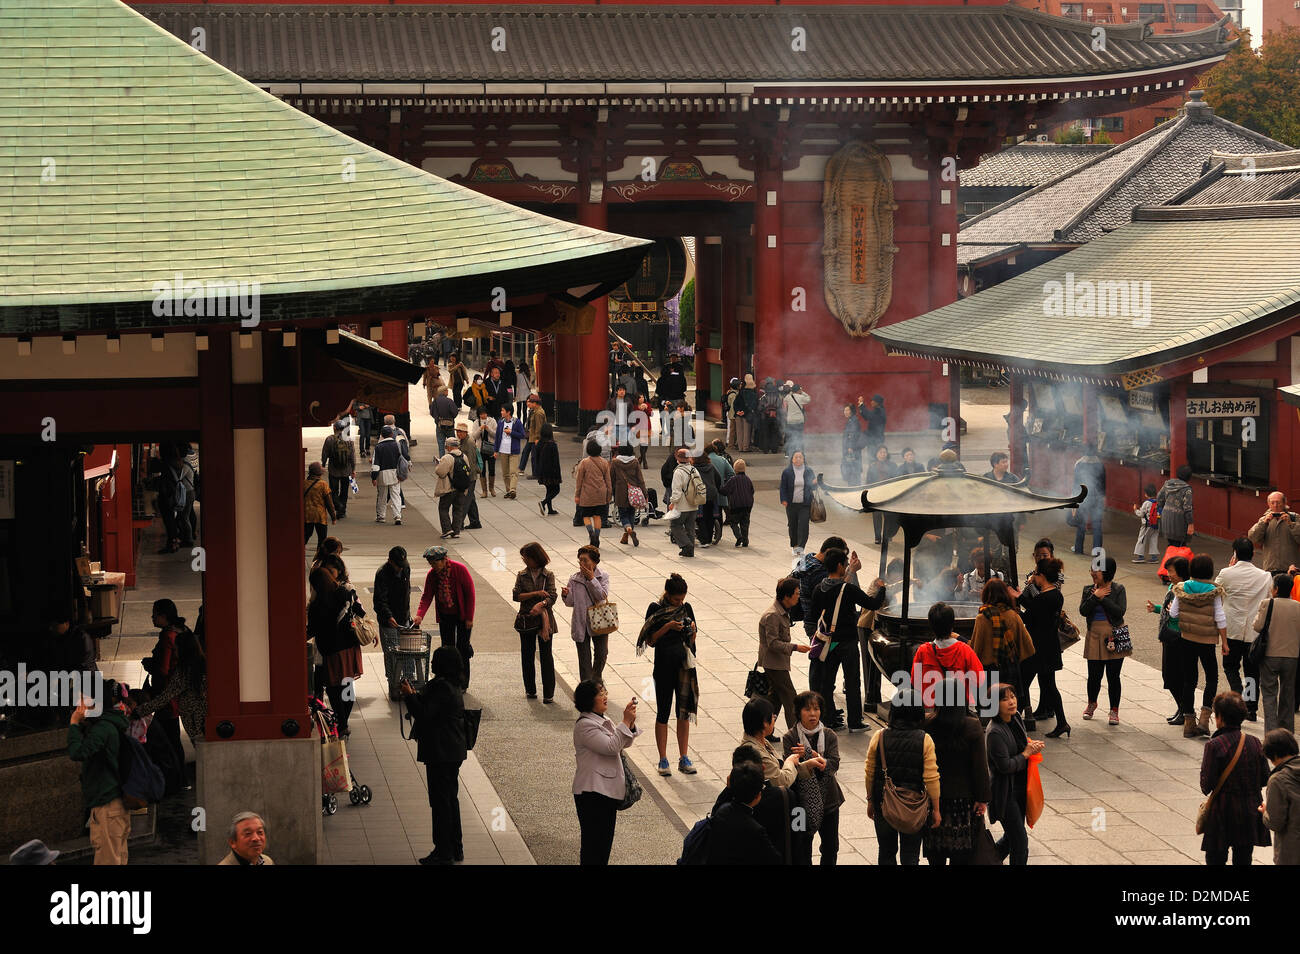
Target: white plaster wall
{"type": "Point", "coordinates": [250, 561]}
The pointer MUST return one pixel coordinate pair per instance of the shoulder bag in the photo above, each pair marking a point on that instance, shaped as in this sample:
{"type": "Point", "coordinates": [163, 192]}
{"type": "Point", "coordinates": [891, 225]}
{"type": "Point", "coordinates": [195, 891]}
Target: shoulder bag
{"type": "Point", "coordinates": [632, 791]}
{"type": "Point", "coordinates": [602, 619]}
{"type": "Point", "coordinates": [1259, 645]}
{"type": "Point", "coordinates": [1066, 631]}
{"type": "Point", "coordinates": [1203, 813]}
{"type": "Point", "coordinates": [821, 644]}
{"type": "Point", "coordinates": [817, 508]}
{"type": "Point", "coordinates": [757, 683]}
{"type": "Point", "coordinates": [905, 811]}
{"type": "Point", "coordinates": [367, 630]}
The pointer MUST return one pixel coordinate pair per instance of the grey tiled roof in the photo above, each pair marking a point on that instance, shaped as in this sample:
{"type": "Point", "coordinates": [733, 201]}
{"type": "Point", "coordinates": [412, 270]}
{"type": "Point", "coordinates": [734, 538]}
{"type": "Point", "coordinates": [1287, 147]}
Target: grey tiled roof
{"type": "Point", "coordinates": [1028, 164]}
{"type": "Point", "coordinates": [1101, 194]}
{"type": "Point", "coordinates": [1236, 178]}
{"type": "Point", "coordinates": [1199, 296]}
{"type": "Point", "coordinates": [564, 43]}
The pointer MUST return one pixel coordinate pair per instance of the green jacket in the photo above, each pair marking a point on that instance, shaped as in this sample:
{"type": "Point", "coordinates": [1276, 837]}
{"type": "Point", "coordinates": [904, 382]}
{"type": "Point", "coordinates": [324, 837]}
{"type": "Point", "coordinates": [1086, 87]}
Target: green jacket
{"type": "Point", "coordinates": [96, 744]}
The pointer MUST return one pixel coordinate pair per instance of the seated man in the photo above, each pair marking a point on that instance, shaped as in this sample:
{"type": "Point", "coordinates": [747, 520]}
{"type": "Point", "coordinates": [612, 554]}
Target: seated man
{"type": "Point", "coordinates": [247, 840]}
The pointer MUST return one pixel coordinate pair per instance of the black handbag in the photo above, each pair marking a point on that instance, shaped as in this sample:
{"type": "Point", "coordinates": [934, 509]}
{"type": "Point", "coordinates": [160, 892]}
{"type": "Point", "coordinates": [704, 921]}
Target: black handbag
{"type": "Point", "coordinates": [984, 850]}
{"type": "Point", "coordinates": [1259, 645]}
{"type": "Point", "coordinates": [757, 684]}
{"type": "Point", "coordinates": [632, 792]}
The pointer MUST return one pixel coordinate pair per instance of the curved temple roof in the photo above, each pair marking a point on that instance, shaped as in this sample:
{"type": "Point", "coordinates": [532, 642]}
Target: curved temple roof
{"type": "Point", "coordinates": [132, 159]}
{"type": "Point", "coordinates": [623, 43]}
{"type": "Point", "coordinates": [951, 492]}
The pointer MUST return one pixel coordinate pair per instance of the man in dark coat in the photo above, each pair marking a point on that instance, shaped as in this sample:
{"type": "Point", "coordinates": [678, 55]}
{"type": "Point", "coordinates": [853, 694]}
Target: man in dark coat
{"type": "Point", "coordinates": [772, 812]}
{"type": "Point", "coordinates": [438, 711]}
{"type": "Point", "coordinates": [735, 837]}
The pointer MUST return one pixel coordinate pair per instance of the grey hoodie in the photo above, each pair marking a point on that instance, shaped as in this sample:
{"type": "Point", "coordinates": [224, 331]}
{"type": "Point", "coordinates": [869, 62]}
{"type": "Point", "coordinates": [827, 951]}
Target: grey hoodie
{"type": "Point", "coordinates": [1282, 811]}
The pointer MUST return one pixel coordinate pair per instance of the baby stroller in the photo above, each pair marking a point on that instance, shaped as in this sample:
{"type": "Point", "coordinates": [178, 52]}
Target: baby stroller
{"type": "Point", "coordinates": [336, 773]}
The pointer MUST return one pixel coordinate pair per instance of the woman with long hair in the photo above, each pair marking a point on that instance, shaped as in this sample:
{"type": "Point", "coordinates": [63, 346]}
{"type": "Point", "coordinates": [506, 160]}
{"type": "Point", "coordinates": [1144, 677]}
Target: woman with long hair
{"type": "Point", "coordinates": [535, 622]}
{"type": "Point", "coordinates": [546, 462]}
{"type": "Point", "coordinates": [964, 770]}
{"type": "Point", "coordinates": [330, 613]}
{"type": "Point", "coordinates": [187, 684]}
{"type": "Point", "coordinates": [670, 630]}
{"type": "Point", "coordinates": [1000, 639]}
{"type": "Point", "coordinates": [1009, 748]}
{"type": "Point", "coordinates": [1103, 607]}
{"type": "Point", "coordinates": [1042, 603]}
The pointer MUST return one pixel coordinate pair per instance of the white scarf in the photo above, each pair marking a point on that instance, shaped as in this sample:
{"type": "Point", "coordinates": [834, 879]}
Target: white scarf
{"type": "Point", "coordinates": [807, 738]}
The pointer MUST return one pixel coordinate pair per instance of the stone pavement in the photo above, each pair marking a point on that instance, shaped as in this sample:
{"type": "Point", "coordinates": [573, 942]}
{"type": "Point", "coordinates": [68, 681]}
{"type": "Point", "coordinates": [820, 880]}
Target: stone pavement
{"type": "Point", "coordinates": [1121, 795]}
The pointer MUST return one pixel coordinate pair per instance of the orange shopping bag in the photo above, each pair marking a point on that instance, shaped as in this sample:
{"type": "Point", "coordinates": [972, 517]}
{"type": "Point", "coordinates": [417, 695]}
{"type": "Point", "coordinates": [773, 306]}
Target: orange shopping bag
{"type": "Point", "coordinates": [1034, 798]}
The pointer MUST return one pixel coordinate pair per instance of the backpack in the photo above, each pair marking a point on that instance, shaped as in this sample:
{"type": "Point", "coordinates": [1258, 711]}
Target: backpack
{"type": "Point", "coordinates": [770, 404]}
{"type": "Point", "coordinates": [403, 467]}
{"type": "Point", "coordinates": [696, 493]}
{"type": "Point", "coordinates": [695, 846]}
{"type": "Point", "coordinates": [1153, 515]}
{"type": "Point", "coordinates": [142, 782]}
{"type": "Point", "coordinates": [338, 454]}
{"type": "Point", "coordinates": [460, 476]}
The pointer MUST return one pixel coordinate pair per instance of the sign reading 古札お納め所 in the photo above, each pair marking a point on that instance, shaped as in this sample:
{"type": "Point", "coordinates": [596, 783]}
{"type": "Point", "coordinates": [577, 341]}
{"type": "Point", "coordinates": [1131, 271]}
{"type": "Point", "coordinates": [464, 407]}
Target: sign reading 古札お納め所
{"type": "Point", "coordinates": [1223, 407]}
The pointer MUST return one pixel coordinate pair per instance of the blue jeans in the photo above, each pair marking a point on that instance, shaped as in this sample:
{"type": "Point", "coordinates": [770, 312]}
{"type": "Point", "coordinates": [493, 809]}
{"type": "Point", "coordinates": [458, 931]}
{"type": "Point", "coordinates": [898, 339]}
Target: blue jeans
{"type": "Point", "coordinates": [626, 517]}
{"type": "Point", "coordinates": [1086, 517]}
{"type": "Point", "coordinates": [523, 456]}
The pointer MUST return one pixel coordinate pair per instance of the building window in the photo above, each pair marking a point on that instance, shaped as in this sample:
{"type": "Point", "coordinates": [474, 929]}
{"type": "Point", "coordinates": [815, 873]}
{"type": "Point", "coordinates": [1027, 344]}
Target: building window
{"type": "Point", "coordinates": [1110, 123]}
{"type": "Point", "coordinates": [973, 208]}
{"type": "Point", "coordinates": [1072, 10]}
{"type": "Point", "coordinates": [1156, 10]}
{"type": "Point", "coordinates": [1186, 12]}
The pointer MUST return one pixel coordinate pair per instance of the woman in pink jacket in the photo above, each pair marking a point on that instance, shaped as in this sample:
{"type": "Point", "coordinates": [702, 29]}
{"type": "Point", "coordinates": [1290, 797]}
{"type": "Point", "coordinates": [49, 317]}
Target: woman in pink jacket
{"type": "Point", "coordinates": [599, 784]}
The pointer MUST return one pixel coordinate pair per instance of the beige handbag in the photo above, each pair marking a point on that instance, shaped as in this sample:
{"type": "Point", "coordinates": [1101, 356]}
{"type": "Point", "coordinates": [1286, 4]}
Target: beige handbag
{"type": "Point", "coordinates": [367, 630]}
{"type": "Point", "coordinates": [602, 618]}
{"type": "Point", "coordinates": [906, 811]}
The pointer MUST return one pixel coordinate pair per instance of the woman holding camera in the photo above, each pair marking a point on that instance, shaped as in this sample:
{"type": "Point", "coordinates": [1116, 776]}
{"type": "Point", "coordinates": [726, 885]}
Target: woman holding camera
{"type": "Point", "coordinates": [599, 784]}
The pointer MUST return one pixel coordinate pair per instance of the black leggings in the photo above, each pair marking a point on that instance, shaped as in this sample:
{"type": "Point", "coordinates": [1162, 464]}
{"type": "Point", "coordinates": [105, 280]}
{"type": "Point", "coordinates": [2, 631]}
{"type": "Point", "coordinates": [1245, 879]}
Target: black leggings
{"type": "Point", "coordinates": [319, 529]}
{"type": "Point", "coordinates": [1111, 668]}
{"type": "Point", "coordinates": [552, 491]}
{"type": "Point", "coordinates": [1205, 654]}
{"type": "Point", "coordinates": [1049, 697]}
{"type": "Point", "coordinates": [665, 686]}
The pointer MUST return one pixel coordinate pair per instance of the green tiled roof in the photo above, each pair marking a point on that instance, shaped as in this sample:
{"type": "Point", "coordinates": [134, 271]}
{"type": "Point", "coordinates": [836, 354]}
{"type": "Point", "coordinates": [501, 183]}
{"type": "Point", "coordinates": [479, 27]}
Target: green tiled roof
{"type": "Point", "coordinates": [126, 156]}
{"type": "Point", "coordinates": [1203, 276]}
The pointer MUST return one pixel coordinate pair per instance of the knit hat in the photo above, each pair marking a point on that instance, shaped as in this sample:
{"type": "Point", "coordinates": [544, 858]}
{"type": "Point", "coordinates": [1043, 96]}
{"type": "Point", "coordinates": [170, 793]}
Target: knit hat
{"type": "Point", "coordinates": [451, 442]}
{"type": "Point", "coordinates": [433, 554]}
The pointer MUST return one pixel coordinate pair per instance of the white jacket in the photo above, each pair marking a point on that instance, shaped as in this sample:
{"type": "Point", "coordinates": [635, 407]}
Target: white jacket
{"type": "Point", "coordinates": [1245, 586]}
{"type": "Point", "coordinates": [598, 745]}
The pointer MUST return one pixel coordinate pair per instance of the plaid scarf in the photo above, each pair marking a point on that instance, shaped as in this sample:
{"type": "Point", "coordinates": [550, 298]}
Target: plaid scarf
{"type": "Point", "coordinates": [688, 682]}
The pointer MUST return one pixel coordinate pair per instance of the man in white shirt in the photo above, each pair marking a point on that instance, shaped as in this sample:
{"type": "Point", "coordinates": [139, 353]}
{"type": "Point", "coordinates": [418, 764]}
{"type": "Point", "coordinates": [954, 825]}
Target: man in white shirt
{"type": "Point", "coordinates": [1245, 586]}
{"type": "Point", "coordinates": [796, 399]}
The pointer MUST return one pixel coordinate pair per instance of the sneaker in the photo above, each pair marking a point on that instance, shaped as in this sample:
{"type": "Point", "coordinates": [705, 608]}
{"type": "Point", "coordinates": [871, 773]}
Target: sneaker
{"type": "Point", "coordinates": [454, 536]}
{"type": "Point", "coordinates": [445, 534]}
{"type": "Point", "coordinates": [684, 766]}
{"type": "Point", "coordinates": [473, 526]}
{"type": "Point", "coordinates": [1154, 559]}
{"type": "Point", "coordinates": [379, 520]}
{"type": "Point", "coordinates": [397, 522]}
{"type": "Point", "coordinates": [664, 770]}
{"type": "Point", "coordinates": [1138, 559]}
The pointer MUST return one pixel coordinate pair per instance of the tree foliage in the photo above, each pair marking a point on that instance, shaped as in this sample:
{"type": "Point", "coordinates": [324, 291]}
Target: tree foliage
{"type": "Point", "coordinates": [1070, 135]}
{"type": "Point", "coordinates": [687, 313]}
{"type": "Point", "coordinates": [1257, 88]}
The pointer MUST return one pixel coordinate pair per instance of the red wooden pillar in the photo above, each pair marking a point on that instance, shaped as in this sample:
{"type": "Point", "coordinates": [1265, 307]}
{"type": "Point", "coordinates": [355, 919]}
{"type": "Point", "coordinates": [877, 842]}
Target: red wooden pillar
{"type": "Point", "coordinates": [118, 531]}
{"type": "Point", "coordinates": [567, 358]}
{"type": "Point", "coordinates": [708, 297]}
{"type": "Point", "coordinates": [593, 389]}
{"type": "Point", "coordinates": [769, 292]}
{"type": "Point", "coordinates": [287, 606]}
{"type": "Point", "coordinates": [1016, 433]}
{"type": "Point", "coordinates": [545, 375]}
{"type": "Point", "coordinates": [220, 586]}
{"type": "Point", "coordinates": [732, 268]}
{"type": "Point", "coordinates": [1177, 424]}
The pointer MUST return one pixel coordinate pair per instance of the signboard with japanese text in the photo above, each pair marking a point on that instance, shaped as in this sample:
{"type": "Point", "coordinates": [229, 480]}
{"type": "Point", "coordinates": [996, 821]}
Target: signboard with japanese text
{"type": "Point", "coordinates": [6, 490]}
{"type": "Point", "coordinates": [1223, 407]}
{"type": "Point", "coordinates": [1141, 400]}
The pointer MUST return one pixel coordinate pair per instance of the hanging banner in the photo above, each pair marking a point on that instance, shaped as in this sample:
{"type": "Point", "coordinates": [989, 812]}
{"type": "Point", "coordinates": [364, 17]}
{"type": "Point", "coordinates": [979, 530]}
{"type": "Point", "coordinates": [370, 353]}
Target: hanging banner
{"type": "Point", "coordinates": [6, 490]}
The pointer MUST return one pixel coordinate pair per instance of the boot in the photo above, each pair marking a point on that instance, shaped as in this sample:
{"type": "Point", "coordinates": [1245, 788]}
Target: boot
{"type": "Point", "coordinates": [624, 540]}
{"type": "Point", "coordinates": [492, 484]}
{"type": "Point", "coordinates": [1190, 729]}
{"type": "Point", "coordinates": [1203, 724]}
{"type": "Point", "coordinates": [482, 480]}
